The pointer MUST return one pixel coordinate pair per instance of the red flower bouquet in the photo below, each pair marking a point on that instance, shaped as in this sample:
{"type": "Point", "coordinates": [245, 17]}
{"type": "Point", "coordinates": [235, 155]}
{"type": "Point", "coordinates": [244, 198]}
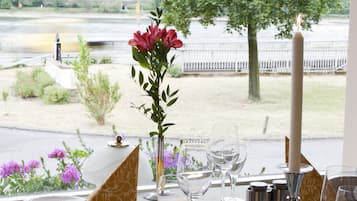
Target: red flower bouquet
{"type": "Point", "coordinates": [151, 50]}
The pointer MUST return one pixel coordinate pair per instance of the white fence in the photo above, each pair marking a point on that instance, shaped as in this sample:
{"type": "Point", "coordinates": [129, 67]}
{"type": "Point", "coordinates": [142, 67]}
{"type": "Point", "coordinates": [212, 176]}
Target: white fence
{"type": "Point", "coordinates": [270, 60]}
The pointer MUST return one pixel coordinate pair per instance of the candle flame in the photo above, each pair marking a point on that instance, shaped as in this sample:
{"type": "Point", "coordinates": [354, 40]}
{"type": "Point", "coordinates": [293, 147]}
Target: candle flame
{"type": "Point", "coordinates": [298, 21]}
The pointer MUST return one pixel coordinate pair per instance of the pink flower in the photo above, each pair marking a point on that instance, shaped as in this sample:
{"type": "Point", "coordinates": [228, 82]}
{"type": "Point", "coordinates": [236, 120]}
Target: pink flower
{"type": "Point", "coordinates": [57, 153]}
{"type": "Point", "coordinates": [70, 174]}
{"type": "Point", "coordinates": [142, 41]}
{"type": "Point", "coordinates": [10, 168]}
{"type": "Point", "coordinates": [32, 164]}
{"type": "Point", "coordinates": [147, 41]}
{"type": "Point", "coordinates": [170, 39]}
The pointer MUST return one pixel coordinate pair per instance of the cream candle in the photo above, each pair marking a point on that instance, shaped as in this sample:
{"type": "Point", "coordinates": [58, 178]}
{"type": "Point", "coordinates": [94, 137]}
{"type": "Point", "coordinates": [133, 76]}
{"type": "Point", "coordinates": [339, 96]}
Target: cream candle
{"type": "Point", "coordinates": [296, 99]}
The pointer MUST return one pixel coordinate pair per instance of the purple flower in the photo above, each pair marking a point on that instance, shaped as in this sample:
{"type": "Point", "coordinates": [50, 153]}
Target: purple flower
{"type": "Point", "coordinates": [70, 174]}
{"type": "Point", "coordinates": [32, 164]}
{"type": "Point", "coordinates": [57, 153]}
{"type": "Point", "coordinates": [10, 168]}
{"type": "Point", "coordinates": [26, 169]}
{"type": "Point", "coordinates": [170, 159]}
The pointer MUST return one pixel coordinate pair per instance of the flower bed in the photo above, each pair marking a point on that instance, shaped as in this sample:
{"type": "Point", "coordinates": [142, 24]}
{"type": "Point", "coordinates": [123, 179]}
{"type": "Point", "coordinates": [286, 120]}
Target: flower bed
{"type": "Point", "coordinates": [34, 176]}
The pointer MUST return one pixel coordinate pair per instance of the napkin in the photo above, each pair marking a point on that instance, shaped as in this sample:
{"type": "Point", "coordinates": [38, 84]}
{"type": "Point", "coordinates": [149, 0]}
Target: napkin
{"type": "Point", "coordinates": [312, 184]}
{"type": "Point", "coordinates": [121, 185]}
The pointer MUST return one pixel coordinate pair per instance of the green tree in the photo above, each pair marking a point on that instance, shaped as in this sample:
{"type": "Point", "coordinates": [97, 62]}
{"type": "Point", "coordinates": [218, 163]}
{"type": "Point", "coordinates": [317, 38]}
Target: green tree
{"type": "Point", "coordinates": [250, 16]}
{"type": "Point", "coordinates": [5, 4]}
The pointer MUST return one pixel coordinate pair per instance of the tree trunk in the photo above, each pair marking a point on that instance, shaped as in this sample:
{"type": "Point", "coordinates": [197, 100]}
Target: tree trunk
{"type": "Point", "coordinates": [254, 85]}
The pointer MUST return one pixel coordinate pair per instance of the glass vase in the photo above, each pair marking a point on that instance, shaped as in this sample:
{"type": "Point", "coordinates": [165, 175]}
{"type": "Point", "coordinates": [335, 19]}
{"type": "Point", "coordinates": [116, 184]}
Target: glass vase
{"type": "Point", "coordinates": [160, 169]}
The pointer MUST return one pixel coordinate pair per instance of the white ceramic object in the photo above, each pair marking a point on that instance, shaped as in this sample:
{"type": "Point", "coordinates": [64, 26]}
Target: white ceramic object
{"type": "Point", "coordinates": [103, 162]}
{"type": "Point", "coordinates": [57, 198]}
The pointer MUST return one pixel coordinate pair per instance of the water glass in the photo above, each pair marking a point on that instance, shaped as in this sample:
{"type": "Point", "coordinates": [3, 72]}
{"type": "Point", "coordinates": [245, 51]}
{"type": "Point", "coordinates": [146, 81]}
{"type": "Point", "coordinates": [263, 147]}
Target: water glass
{"type": "Point", "coordinates": [346, 193]}
{"type": "Point", "coordinates": [194, 170]}
{"type": "Point", "coordinates": [335, 177]}
{"type": "Point", "coordinates": [235, 171]}
{"type": "Point", "coordinates": [223, 150]}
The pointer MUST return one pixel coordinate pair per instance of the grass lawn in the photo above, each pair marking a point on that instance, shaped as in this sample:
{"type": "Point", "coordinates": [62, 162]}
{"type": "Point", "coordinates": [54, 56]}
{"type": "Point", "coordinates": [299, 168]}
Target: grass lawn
{"type": "Point", "coordinates": [202, 101]}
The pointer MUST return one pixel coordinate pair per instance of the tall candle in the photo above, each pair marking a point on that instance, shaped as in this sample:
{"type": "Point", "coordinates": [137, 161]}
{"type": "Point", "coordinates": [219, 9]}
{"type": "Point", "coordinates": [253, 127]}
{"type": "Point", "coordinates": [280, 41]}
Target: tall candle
{"type": "Point", "coordinates": [296, 99]}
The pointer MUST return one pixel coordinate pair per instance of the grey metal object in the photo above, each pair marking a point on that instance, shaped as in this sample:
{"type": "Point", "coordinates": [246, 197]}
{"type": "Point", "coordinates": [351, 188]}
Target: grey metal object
{"type": "Point", "coordinates": [294, 181]}
{"type": "Point", "coordinates": [280, 190]}
{"type": "Point", "coordinates": [259, 191]}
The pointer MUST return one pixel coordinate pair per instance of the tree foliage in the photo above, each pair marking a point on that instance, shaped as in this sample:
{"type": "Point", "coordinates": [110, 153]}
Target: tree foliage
{"type": "Point", "coordinates": [250, 16]}
{"type": "Point", "coordinates": [5, 4]}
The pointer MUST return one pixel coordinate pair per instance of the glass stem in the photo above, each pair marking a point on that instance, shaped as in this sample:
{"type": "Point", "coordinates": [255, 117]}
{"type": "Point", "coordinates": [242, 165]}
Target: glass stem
{"type": "Point", "coordinates": [224, 174]}
{"type": "Point", "coordinates": [233, 180]}
{"type": "Point", "coordinates": [191, 197]}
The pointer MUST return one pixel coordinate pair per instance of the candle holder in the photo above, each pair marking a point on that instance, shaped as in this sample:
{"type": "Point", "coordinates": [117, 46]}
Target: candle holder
{"type": "Point", "coordinates": [294, 180]}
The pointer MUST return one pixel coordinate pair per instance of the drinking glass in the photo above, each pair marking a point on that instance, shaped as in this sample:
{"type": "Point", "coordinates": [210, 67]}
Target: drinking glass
{"type": "Point", "coordinates": [224, 149]}
{"type": "Point", "coordinates": [235, 171]}
{"type": "Point", "coordinates": [194, 170]}
{"type": "Point", "coordinates": [335, 177]}
{"type": "Point", "coordinates": [346, 193]}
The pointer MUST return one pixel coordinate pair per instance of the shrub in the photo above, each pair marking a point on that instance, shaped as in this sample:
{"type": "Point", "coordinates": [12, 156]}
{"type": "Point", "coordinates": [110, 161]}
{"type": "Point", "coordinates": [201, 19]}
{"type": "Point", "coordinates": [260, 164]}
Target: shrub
{"type": "Point", "coordinates": [174, 71]}
{"type": "Point", "coordinates": [54, 94]}
{"type": "Point", "coordinates": [31, 84]}
{"type": "Point", "coordinates": [105, 60]}
{"type": "Point", "coordinates": [42, 80]}
{"type": "Point", "coordinates": [99, 96]}
{"type": "Point", "coordinates": [24, 85]}
{"type": "Point", "coordinates": [82, 63]}
{"type": "Point", "coordinates": [4, 94]}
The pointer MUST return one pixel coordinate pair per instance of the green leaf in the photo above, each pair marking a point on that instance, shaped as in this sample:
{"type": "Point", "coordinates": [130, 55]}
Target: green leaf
{"type": "Point", "coordinates": [153, 133]}
{"type": "Point", "coordinates": [168, 124]}
{"type": "Point", "coordinates": [152, 13]}
{"type": "Point", "coordinates": [141, 78]}
{"type": "Point", "coordinates": [172, 102]}
{"type": "Point", "coordinates": [140, 57]}
{"type": "Point", "coordinates": [163, 75]}
{"type": "Point", "coordinates": [165, 129]}
{"type": "Point", "coordinates": [145, 85]}
{"type": "Point", "coordinates": [163, 95]}
{"type": "Point", "coordinates": [174, 93]}
{"type": "Point", "coordinates": [132, 71]}
{"type": "Point", "coordinates": [168, 90]}
{"type": "Point", "coordinates": [172, 59]}
{"type": "Point", "coordinates": [147, 110]}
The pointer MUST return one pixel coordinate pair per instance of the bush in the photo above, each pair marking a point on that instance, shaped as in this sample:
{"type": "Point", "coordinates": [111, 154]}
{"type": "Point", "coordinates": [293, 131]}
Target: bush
{"type": "Point", "coordinates": [99, 96]}
{"type": "Point", "coordinates": [31, 84]}
{"type": "Point", "coordinates": [24, 85]}
{"type": "Point", "coordinates": [42, 80]}
{"type": "Point", "coordinates": [105, 60]}
{"type": "Point", "coordinates": [174, 71]}
{"type": "Point", "coordinates": [5, 94]}
{"type": "Point", "coordinates": [55, 95]}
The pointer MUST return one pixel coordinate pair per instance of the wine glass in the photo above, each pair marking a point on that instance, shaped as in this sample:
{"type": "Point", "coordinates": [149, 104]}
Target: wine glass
{"type": "Point", "coordinates": [235, 171]}
{"type": "Point", "coordinates": [194, 170]}
{"type": "Point", "coordinates": [337, 176]}
{"type": "Point", "coordinates": [224, 150]}
{"type": "Point", "coordinates": [346, 193]}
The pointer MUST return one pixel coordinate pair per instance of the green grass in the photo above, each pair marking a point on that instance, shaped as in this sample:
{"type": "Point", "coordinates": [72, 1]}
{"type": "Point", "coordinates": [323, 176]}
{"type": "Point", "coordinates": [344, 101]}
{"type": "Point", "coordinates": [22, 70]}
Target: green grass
{"type": "Point", "coordinates": [323, 105]}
